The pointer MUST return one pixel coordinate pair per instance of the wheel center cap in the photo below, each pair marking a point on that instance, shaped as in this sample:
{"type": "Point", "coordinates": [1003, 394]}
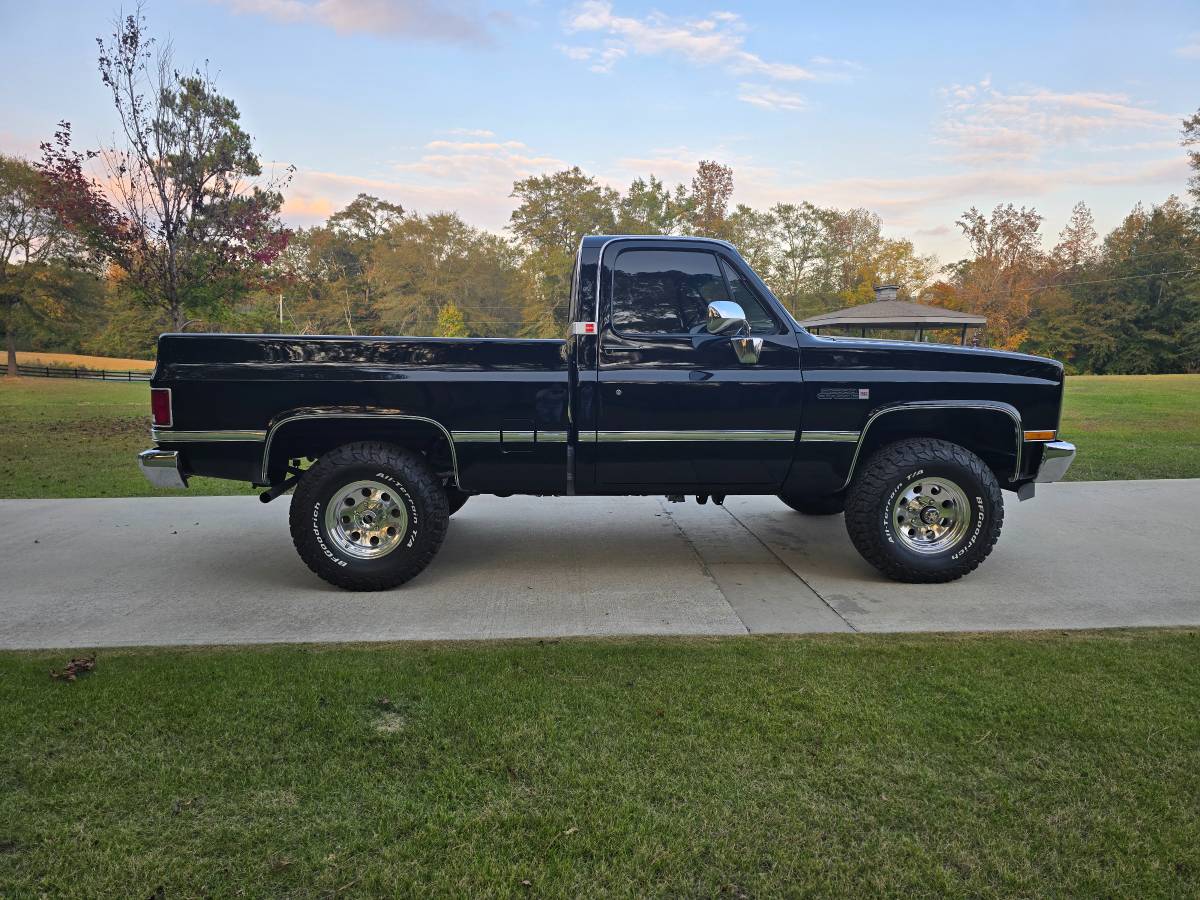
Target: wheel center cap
{"type": "Point", "coordinates": [368, 519]}
{"type": "Point", "coordinates": [930, 515]}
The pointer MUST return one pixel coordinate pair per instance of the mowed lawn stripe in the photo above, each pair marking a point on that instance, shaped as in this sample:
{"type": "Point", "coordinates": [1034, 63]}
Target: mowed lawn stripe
{"type": "Point", "coordinates": [1063, 764]}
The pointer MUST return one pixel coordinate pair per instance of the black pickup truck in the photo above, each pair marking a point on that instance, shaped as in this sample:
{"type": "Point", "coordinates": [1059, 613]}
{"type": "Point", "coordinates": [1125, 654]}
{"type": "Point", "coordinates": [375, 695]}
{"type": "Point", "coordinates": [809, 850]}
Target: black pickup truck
{"type": "Point", "coordinates": [680, 374]}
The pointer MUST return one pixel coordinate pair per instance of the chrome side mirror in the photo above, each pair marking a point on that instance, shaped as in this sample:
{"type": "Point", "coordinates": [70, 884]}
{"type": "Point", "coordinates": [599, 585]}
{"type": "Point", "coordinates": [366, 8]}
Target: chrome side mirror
{"type": "Point", "coordinates": [727, 317]}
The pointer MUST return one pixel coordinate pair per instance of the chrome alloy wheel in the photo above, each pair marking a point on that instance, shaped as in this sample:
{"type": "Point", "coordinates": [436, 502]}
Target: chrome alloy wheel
{"type": "Point", "coordinates": [366, 519]}
{"type": "Point", "coordinates": [931, 515]}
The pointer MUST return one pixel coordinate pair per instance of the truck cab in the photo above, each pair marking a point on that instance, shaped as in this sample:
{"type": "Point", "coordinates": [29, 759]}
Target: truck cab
{"type": "Point", "coordinates": [688, 378]}
{"type": "Point", "coordinates": [679, 374]}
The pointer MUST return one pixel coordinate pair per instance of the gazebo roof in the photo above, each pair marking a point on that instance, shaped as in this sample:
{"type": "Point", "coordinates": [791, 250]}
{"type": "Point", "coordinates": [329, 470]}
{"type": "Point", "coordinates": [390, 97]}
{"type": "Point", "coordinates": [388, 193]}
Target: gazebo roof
{"type": "Point", "coordinates": [895, 314]}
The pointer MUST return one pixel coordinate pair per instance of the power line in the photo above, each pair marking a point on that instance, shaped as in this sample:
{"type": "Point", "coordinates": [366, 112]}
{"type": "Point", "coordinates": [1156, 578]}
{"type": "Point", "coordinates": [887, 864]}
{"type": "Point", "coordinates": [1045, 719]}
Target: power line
{"type": "Point", "coordinates": [1066, 284]}
{"type": "Point", "coordinates": [1123, 278]}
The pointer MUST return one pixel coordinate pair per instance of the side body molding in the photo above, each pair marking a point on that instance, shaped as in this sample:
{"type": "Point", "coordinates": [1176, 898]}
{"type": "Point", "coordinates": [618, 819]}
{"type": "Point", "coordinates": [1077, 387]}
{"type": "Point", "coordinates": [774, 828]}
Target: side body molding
{"type": "Point", "coordinates": [994, 406]}
{"type": "Point", "coordinates": [301, 415]}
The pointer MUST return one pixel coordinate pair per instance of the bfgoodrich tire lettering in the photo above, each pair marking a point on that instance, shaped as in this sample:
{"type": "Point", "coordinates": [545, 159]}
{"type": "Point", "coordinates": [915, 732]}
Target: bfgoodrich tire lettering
{"type": "Point", "coordinates": [944, 544]}
{"type": "Point", "coordinates": [407, 480]}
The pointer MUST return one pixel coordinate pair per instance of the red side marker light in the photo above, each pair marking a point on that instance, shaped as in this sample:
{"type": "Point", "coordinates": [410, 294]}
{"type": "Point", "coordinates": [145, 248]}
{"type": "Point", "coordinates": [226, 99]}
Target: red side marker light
{"type": "Point", "coordinates": [589, 328]}
{"type": "Point", "coordinates": [160, 407]}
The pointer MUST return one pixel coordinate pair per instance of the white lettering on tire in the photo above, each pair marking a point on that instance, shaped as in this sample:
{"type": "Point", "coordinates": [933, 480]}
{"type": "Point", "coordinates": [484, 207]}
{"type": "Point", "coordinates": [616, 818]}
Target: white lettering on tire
{"type": "Point", "coordinates": [316, 527]}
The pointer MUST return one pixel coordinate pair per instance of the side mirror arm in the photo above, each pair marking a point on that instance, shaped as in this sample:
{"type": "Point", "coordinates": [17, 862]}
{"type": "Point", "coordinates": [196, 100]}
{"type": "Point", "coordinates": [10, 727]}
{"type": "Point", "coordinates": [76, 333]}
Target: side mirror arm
{"type": "Point", "coordinates": [747, 349]}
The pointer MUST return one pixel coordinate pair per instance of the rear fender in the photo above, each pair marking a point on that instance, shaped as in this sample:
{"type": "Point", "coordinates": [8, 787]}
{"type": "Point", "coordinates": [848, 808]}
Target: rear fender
{"type": "Point", "coordinates": [311, 431]}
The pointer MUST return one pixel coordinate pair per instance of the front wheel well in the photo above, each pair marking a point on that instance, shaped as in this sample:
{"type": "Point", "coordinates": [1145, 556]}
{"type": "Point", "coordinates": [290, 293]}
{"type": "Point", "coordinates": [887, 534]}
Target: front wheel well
{"type": "Point", "coordinates": [991, 433]}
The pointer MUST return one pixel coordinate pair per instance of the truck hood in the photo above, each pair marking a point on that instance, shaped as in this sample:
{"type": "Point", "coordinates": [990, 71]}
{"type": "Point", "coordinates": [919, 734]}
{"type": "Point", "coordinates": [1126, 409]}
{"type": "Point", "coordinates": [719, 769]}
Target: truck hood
{"type": "Point", "coordinates": [853, 353]}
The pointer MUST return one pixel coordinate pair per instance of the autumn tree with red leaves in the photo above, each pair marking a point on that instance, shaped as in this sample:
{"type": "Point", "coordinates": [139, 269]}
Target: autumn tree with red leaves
{"type": "Point", "coordinates": [181, 206]}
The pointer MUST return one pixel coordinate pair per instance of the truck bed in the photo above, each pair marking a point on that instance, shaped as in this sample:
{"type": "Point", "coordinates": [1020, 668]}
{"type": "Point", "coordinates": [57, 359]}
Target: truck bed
{"type": "Point", "coordinates": [243, 389]}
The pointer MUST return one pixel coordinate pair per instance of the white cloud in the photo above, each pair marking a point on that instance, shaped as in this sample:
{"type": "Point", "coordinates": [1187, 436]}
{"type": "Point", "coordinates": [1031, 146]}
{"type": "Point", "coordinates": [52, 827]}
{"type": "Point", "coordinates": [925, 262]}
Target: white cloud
{"type": "Point", "coordinates": [477, 146]}
{"type": "Point", "coordinates": [715, 40]}
{"type": "Point", "coordinates": [1190, 50]}
{"type": "Point", "coordinates": [579, 54]}
{"type": "Point", "coordinates": [767, 97]}
{"type": "Point", "coordinates": [608, 57]}
{"type": "Point", "coordinates": [471, 177]}
{"type": "Point", "coordinates": [984, 125]}
{"type": "Point", "coordinates": [494, 164]}
{"type": "Point", "coordinates": [900, 200]}
{"type": "Point", "coordinates": [1171, 143]}
{"type": "Point", "coordinates": [455, 21]}
{"type": "Point", "coordinates": [314, 194]}
{"type": "Point", "coordinates": [602, 59]}
{"type": "Point", "coordinates": [472, 132]}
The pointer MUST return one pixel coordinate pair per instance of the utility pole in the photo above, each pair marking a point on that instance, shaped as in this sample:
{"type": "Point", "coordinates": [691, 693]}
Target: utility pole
{"type": "Point", "coordinates": [281, 310]}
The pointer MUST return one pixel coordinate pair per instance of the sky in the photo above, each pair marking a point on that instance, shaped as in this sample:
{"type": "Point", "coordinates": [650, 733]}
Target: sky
{"type": "Point", "coordinates": [915, 111]}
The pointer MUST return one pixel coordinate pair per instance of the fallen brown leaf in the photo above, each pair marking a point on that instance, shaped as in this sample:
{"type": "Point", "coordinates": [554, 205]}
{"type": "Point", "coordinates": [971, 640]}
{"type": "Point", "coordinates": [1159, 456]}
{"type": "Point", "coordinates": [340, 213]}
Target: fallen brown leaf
{"type": "Point", "coordinates": [76, 667]}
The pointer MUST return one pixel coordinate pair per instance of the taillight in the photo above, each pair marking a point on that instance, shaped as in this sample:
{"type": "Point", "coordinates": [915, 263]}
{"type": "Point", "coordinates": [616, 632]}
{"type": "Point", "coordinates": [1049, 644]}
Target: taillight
{"type": "Point", "coordinates": [160, 407]}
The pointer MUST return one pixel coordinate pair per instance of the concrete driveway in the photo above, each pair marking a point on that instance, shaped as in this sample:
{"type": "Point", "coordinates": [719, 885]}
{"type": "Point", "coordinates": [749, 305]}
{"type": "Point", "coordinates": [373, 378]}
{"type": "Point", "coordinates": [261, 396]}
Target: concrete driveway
{"type": "Point", "coordinates": [206, 570]}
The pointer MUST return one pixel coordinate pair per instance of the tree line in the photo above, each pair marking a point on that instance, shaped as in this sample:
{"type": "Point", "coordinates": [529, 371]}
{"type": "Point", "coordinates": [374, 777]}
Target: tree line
{"type": "Point", "coordinates": [183, 232]}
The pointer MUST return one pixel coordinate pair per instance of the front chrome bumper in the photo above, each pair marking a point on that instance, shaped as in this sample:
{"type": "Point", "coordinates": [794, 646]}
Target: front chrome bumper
{"type": "Point", "coordinates": [1057, 457]}
{"type": "Point", "coordinates": [161, 468]}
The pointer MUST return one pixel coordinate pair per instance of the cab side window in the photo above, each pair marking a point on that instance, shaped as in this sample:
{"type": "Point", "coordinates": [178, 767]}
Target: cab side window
{"type": "Point", "coordinates": [668, 291]}
{"type": "Point", "coordinates": [664, 291]}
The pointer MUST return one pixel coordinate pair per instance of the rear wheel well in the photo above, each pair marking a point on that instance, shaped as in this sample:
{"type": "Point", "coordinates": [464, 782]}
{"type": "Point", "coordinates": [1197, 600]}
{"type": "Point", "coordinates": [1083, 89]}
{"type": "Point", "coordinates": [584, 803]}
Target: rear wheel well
{"type": "Point", "coordinates": [991, 434]}
{"type": "Point", "coordinates": [313, 437]}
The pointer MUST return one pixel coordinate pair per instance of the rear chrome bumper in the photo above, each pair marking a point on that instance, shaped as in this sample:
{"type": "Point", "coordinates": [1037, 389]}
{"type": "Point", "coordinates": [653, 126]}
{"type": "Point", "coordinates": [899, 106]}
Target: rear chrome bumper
{"type": "Point", "coordinates": [1057, 457]}
{"type": "Point", "coordinates": [161, 468]}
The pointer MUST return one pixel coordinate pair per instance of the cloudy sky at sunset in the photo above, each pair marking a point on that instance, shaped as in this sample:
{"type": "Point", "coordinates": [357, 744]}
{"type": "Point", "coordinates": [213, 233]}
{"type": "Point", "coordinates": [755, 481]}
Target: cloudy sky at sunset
{"type": "Point", "coordinates": [916, 111]}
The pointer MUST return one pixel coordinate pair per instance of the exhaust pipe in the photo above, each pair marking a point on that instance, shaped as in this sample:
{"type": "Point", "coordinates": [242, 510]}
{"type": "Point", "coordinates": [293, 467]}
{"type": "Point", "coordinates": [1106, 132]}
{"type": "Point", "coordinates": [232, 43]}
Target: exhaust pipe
{"type": "Point", "coordinates": [278, 490]}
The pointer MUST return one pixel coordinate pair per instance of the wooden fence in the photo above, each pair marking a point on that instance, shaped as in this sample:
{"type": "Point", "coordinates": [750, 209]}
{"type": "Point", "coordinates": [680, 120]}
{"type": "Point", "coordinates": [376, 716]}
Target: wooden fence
{"type": "Point", "coordinates": [91, 374]}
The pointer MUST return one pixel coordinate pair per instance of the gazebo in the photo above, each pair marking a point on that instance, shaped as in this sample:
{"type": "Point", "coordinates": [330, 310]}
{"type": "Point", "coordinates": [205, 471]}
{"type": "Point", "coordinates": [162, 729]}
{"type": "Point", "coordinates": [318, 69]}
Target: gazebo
{"type": "Point", "coordinates": [889, 314]}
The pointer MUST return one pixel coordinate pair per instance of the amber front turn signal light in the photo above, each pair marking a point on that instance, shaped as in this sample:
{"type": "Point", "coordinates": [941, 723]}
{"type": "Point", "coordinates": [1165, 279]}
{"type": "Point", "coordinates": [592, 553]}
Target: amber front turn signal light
{"type": "Point", "coordinates": [1040, 435]}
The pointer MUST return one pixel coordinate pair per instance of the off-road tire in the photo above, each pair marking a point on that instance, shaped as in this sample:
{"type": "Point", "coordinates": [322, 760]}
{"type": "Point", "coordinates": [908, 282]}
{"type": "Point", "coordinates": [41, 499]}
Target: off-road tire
{"type": "Point", "coordinates": [815, 506]}
{"type": "Point", "coordinates": [416, 486]}
{"type": "Point", "coordinates": [870, 499]}
{"type": "Point", "coordinates": [455, 499]}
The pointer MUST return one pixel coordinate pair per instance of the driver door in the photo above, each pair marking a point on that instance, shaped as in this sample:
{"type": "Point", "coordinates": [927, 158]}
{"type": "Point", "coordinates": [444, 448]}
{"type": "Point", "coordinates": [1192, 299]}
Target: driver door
{"type": "Point", "coordinates": [677, 407]}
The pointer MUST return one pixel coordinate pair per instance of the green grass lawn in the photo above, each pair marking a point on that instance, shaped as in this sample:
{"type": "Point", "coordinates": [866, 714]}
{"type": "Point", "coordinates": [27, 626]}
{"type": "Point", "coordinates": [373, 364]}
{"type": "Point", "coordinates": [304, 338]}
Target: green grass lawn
{"type": "Point", "coordinates": [1133, 426]}
{"type": "Point", "coordinates": [1040, 765]}
{"type": "Point", "coordinates": [66, 438]}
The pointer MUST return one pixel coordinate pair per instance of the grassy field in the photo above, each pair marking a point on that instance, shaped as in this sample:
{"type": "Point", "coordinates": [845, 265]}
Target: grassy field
{"type": "Point", "coordinates": [1125, 426]}
{"type": "Point", "coordinates": [1043, 765]}
{"type": "Point", "coordinates": [67, 438]}
{"type": "Point", "coordinates": [1133, 426]}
